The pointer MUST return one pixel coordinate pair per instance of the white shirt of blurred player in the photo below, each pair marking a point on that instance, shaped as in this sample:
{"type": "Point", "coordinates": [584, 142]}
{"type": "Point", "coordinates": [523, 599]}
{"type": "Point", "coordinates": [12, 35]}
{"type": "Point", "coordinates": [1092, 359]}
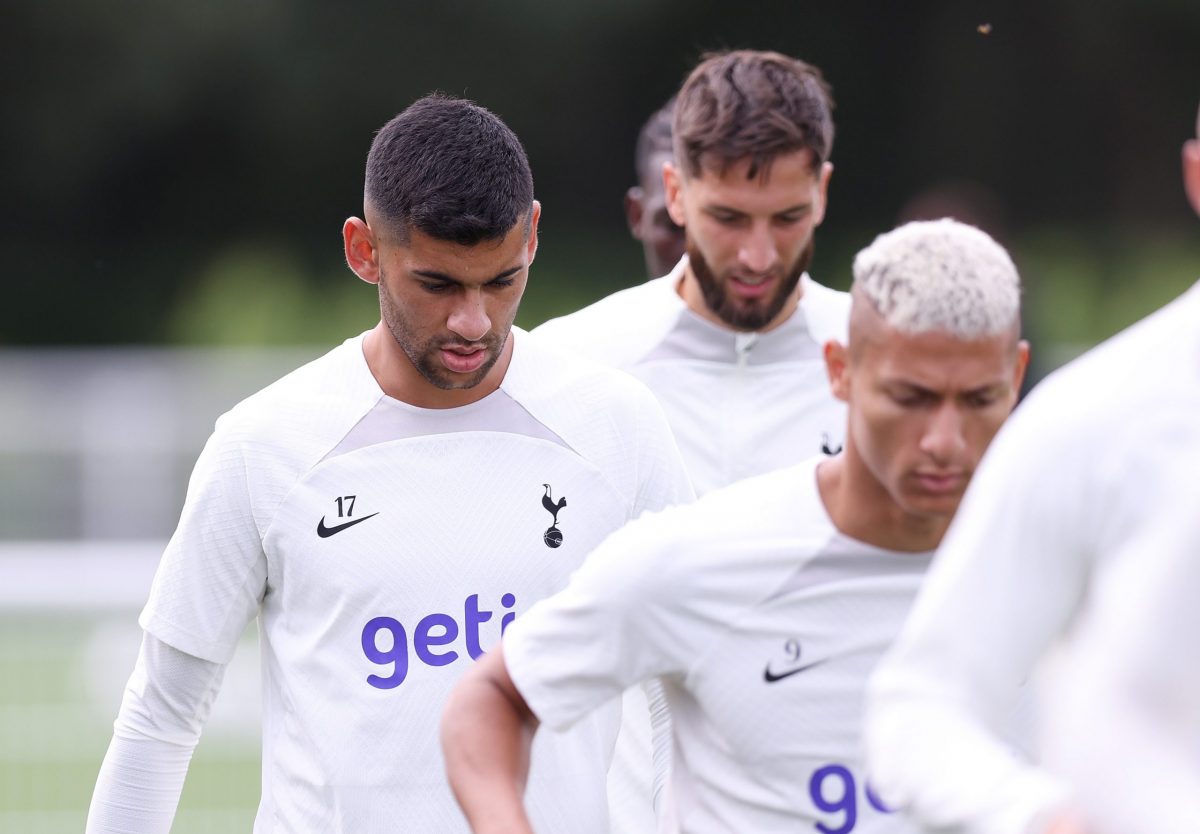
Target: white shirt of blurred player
{"type": "Point", "coordinates": [1123, 711]}
{"type": "Point", "coordinates": [1069, 481]}
{"type": "Point", "coordinates": [740, 404]}
{"type": "Point", "coordinates": [386, 546]}
{"type": "Point", "coordinates": [762, 621]}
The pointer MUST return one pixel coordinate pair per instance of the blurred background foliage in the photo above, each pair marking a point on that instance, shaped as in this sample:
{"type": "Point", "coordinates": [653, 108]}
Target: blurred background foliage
{"type": "Point", "coordinates": [177, 173]}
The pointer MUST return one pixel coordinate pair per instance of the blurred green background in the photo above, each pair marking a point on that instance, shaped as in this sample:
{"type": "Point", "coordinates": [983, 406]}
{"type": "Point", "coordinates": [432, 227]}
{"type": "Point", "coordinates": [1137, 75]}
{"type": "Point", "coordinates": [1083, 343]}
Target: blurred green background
{"type": "Point", "coordinates": [176, 175]}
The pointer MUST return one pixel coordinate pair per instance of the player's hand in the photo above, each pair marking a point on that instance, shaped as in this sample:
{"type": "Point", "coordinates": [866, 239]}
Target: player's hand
{"type": "Point", "coordinates": [1066, 822]}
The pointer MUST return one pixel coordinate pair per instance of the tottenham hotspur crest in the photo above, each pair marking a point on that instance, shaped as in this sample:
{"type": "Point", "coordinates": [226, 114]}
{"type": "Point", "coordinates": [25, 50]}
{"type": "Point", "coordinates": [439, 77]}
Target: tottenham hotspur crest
{"type": "Point", "coordinates": [553, 537]}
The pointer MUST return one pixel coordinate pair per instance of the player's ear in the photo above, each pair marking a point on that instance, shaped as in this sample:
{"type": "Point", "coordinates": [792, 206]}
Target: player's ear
{"type": "Point", "coordinates": [635, 210]}
{"type": "Point", "coordinates": [362, 255]}
{"type": "Point", "coordinates": [1191, 172]}
{"type": "Point", "coordinates": [673, 186]}
{"type": "Point", "coordinates": [1022, 366]}
{"type": "Point", "coordinates": [531, 244]}
{"type": "Point", "coordinates": [822, 192]}
{"type": "Point", "coordinates": [836, 368]}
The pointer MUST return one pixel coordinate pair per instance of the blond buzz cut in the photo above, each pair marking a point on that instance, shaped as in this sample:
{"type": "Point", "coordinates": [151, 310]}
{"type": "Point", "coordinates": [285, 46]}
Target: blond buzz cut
{"type": "Point", "coordinates": [940, 275]}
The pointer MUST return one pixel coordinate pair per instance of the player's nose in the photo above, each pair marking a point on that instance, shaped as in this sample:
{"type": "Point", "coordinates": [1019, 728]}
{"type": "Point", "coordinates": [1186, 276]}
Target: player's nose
{"type": "Point", "coordinates": [469, 318]}
{"type": "Point", "coordinates": [757, 252]}
{"type": "Point", "coordinates": [944, 439]}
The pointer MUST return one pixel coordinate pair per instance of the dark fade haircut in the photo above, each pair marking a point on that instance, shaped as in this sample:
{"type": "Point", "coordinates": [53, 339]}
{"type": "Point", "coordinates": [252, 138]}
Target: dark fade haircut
{"type": "Point", "coordinates": [654, 139]}
{"type": "Point", "coordinates": [748, 104]}
{"type": "Point", "coordinates": [449, 169]}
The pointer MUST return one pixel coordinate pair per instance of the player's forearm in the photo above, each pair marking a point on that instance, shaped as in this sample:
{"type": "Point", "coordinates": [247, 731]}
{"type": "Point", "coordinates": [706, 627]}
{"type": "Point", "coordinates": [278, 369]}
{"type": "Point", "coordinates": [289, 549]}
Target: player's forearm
{"type": "Point", "coordinates": [950, 772]}
{"type": "Point", "coordinates": [1131, 763]}
{"type": "Point", "coordinates": [166, 702]}
{"type": "Point", "coordinates": [139, 786]}
{"type": "Point", "coordinates": [487, 732]}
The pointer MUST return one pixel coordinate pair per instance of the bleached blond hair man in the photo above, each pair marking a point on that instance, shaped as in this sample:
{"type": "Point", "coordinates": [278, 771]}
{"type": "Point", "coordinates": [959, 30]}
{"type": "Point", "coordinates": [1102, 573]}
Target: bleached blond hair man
{"type": "Point", "coordinates": [1073, 486]}
{"type": "Point", "coordinates": [763, 606]}
{"type": "Point", "coordinates": [940, 275]}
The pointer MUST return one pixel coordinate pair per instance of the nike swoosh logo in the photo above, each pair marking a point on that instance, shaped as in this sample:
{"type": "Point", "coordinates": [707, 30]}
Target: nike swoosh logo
{"type": "Point", "coordinates": [771, 677]}
{"type": "Point", "coordinates": [325, 532]}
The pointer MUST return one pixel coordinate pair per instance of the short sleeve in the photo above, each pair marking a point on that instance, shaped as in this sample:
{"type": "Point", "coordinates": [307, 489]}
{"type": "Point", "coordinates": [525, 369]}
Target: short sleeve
{"type": "Point", "coordinates": [213, 573]}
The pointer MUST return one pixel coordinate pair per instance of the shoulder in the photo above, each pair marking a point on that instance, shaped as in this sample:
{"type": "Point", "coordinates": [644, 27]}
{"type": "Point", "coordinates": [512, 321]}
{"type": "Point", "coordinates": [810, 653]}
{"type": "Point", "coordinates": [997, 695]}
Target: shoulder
{"type": "Point", "coordinates": [1097, 432]}
{"type": "Point", "coordinates": [735, 519]}
{"type": "Point", "coordinates": [556, 382]}
{"type": "Point", "coordinates": [826, 311]}
{"type": "Point", "coordinates": [603, 415]}
{"type": "Point", "coordinates": [309, 409]}
{"type": "Point", "coordinates": [727, 549]}
{"type": "Point", "coordinates": [1142, 377]}
{"type": "Point", "coordinates": [621, 328]}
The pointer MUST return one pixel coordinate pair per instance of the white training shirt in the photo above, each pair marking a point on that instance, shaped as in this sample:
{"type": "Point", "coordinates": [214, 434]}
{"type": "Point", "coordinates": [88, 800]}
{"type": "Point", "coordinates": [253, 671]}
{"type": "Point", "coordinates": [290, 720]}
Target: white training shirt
{"type": "Point", "coordinates": [383, 546]}
{"type": "Point", "coordinates": [1069, 480]}
{"type": "Point", "coordinates": [740, 404]}
{"type": "Point", "coordinates": [762, 622]}
{"type": "Point", "coordinates": [1123, 715]}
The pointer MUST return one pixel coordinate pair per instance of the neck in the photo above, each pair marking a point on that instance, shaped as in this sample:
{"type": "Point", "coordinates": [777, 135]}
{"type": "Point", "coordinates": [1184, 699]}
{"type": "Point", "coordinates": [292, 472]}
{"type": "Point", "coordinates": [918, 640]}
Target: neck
{"type": "Point", "coordinates": [400, 379]}
{"type": "Point", "coordinates": [862, 509]}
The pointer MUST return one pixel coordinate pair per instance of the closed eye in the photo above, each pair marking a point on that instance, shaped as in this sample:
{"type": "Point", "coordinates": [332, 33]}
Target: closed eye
{"type": "Point", "coordinates": [727, 218]}
{"type": "Point", "coordinates": [794, 216]}
{"type": "Point", "coordinates": [912, 397]}
{"type": "Point", "coordinates": [981, 399]}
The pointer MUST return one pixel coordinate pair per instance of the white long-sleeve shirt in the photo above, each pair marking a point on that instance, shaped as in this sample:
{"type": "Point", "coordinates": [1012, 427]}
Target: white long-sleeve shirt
{"type": "Point", "coordinates": [1066, 484]}
{"type": "Point", "coordinates": [166, 703]}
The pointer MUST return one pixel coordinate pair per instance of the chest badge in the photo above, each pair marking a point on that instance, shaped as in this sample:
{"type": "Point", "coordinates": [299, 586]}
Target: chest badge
{"type": "Point", "coordinates": [827, 447]}
{"type": "Point", "coordinates": [553, 537]}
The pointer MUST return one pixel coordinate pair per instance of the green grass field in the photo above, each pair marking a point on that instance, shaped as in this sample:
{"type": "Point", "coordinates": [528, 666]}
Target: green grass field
{"type": "Point", "coordinates": [60, 684]}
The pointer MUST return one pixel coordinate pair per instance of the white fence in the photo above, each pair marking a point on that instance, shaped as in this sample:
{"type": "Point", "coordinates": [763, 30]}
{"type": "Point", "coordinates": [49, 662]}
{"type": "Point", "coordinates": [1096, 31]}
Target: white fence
{"type": "Point", "coordinates": [98, 443]}
{"type": "Point", "coordinates": [96, 447]}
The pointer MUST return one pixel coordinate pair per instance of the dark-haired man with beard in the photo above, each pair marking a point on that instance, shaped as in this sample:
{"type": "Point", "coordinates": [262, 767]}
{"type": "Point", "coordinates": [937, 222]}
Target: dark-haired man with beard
{"type": "Point", "coordinates": [730, 340]}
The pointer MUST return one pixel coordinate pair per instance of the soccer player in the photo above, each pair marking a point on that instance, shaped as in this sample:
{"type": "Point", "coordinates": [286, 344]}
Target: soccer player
{"type": "Point", "coordinates": [387, 510]}
{"type": "Point", "coordinates": [1072, 480]}
{"type": "Point", "coordinates": [646, 211]}
{"type": "Point", "coordinates": [730, 341]}
{"type": "Point", "coordinates": [763, 606]}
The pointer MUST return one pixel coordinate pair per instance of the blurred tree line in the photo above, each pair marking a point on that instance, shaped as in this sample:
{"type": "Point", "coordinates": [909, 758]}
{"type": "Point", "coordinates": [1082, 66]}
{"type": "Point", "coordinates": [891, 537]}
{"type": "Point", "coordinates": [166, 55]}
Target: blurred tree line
{"type": "Point", "coordinates": [178, 172]}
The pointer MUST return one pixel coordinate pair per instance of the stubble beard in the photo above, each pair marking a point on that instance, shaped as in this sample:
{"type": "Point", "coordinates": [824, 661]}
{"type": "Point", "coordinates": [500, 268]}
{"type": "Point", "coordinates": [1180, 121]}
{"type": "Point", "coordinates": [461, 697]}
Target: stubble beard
{"type": "Point", "coordinates": [745, 317]}
{"type": "Point", "coordinates": [424, 356]}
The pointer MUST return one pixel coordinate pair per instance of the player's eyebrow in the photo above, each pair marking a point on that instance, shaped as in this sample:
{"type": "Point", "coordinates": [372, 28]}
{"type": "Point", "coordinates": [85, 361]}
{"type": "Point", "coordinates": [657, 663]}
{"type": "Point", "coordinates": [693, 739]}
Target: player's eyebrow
{"type": "Point", "coordinates": [991, 388]}
{"type": "Point", "coordinates": [901, 386]}
{"type": "Point", "coordinates": [433, 275]}
{"type": "Point", "coordinates": [718, 207]}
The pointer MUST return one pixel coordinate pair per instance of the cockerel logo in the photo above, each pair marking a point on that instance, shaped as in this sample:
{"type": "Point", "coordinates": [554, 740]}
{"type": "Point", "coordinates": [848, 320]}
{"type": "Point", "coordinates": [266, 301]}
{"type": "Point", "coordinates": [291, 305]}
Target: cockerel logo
{"type": "Point", "coordinates": [553, 537]}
